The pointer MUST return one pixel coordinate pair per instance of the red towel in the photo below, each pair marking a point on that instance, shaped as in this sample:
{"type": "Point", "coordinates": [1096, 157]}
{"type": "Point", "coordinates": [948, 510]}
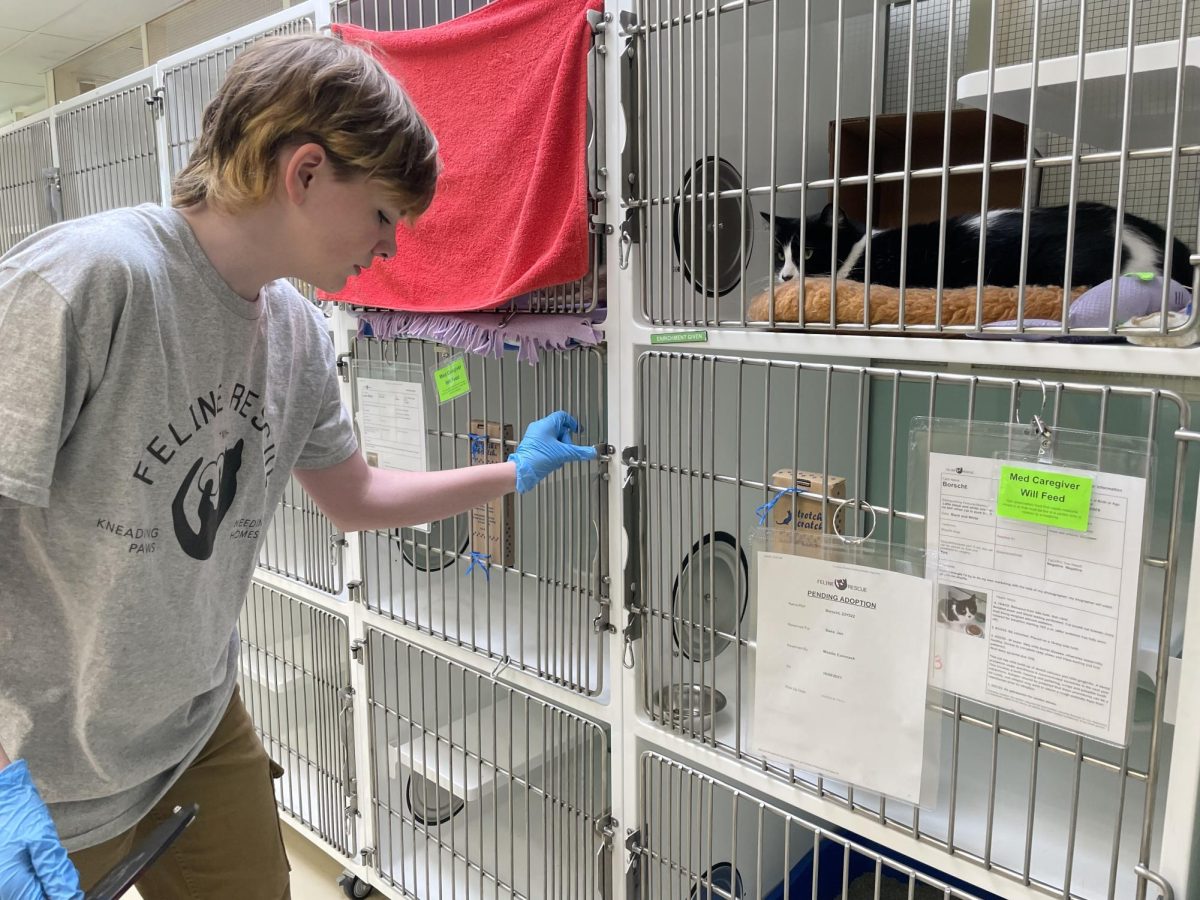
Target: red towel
{"type": "Point", "coordinates": [504, 88]}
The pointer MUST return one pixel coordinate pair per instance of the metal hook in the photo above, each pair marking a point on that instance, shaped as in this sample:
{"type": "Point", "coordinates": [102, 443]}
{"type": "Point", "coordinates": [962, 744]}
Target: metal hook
{"type": "Point", "coordinates": [502, 665]}
{"type": "Point", "coordinates": [628, 660]}
{"type": "Point", "coordinates": [859, 504]}
{"type": "Point", "coordinates": [1040, 412]}
{"type": "Point", "coordinates": [624, 248]}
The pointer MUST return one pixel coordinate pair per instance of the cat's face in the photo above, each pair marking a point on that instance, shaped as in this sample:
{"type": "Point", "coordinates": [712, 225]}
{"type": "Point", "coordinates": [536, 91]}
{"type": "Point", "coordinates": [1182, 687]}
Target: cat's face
{"type": "Point", "coordinates": [786, 249]}
{"type": "Point", "coordinates": [818, 243]}
{"type": "Point", "coordinates": [960, 609]}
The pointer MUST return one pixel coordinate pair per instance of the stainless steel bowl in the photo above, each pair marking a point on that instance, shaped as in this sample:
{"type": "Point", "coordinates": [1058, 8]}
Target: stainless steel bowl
{"type": "Point", "coordinates": [431, 804]}
{"type": "Point", "coordinates": [689, 707]}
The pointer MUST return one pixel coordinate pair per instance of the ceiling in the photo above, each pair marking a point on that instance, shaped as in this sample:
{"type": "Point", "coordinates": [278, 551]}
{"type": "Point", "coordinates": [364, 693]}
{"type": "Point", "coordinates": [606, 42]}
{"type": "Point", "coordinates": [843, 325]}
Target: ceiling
{"type": "Point", "coordinates": [37, 35]}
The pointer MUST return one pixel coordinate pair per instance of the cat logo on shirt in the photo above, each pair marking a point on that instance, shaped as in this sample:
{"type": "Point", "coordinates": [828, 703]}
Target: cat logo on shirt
{"type": "Point", "coordinates": [206, 494]}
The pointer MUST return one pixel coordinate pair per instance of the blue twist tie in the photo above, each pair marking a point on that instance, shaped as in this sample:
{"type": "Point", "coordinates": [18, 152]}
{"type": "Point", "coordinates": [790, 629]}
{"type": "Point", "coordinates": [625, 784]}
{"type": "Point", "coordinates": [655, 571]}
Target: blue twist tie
{"type": "Point", "coordinates": [765, 510]}
{"type": "Point", "coordinates": [480, 559]}
{"type": "Point", "coordinates": [478, 444]}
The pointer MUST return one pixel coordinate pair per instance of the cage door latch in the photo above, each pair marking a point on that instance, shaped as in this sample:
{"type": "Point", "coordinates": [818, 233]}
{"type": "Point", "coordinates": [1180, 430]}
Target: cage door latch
{"type": "Point", "coordinates": [633, 868]}
{"type": "Point", "coordinates": [157, 101]}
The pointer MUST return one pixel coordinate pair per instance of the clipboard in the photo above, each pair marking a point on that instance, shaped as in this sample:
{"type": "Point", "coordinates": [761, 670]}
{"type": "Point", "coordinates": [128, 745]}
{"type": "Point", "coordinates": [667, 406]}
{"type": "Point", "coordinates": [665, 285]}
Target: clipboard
{"type": "Point", "coordinates": [124, 874]}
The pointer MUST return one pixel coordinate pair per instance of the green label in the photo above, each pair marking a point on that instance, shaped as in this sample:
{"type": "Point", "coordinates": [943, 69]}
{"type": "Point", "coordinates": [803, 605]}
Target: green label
{"type": "Point", "coordinates": [1048, 498]}
{"type": "Point", "coordinates": [451, 380]}
{"type": "Point", "coordinates": [679, 337]}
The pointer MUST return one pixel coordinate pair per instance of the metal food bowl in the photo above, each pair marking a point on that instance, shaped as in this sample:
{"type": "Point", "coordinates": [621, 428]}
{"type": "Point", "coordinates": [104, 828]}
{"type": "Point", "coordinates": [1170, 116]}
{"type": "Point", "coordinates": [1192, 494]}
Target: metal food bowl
{"type": "Point", "coordinates": [689, 707]}
{"type": "Point", "coordinates": [430, 804]}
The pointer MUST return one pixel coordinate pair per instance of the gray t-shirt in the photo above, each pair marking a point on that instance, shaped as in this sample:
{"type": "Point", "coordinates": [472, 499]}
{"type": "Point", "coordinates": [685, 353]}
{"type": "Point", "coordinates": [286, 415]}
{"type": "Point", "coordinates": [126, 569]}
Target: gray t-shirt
{"type": "Point", "coordinates": [149, 421]}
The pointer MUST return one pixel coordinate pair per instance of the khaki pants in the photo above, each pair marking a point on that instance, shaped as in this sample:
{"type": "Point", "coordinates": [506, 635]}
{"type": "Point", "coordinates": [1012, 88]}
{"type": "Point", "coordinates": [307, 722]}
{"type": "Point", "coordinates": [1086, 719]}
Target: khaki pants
{"type": "Point", "coordinates": [233, 848]}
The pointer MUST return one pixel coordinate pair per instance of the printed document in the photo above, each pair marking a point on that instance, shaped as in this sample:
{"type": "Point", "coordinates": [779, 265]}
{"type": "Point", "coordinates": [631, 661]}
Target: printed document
{"type": "Point", "coordinates": [1032, 618]}
{"type": "Point", "coordinates": [841, 671]}
{"type": "Point", "coordinates": [391, 419]}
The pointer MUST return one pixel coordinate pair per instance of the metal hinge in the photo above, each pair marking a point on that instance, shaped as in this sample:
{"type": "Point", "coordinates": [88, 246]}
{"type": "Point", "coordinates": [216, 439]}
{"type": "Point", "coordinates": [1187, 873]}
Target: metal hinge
{"type": "Point", "coordinates": [631, 159]}
{"type": "Point", "coordinates": [354, 592]}
{"type": "Point", "coordinates": [597, 225]}
{"type": "Point", "coordinates": [345, 718]}
{"type": "Point", "coordinates": [367, 856]}
{"type": "Point", "coordinates": [631, 491]}
{"type": "Point", "coordinates": [156, 101]}
{"type": "Point", "coordinates": [633, 868]}
{"type": "Point", "coordinates": [343, 366]}
{"type": "Point", "coordinates": [358, 650]}
{"type": "Point", "coordinates": [53, 178]}
{"type": "Point", "coordinates": [598, 155]}
{"type": "Point", "coordinates": [603, 619]}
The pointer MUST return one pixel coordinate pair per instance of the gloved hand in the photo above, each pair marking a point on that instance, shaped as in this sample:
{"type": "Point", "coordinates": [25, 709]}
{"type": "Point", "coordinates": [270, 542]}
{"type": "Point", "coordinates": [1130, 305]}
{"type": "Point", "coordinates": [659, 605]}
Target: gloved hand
{"type": "Point", "coordinates": [33, 863]}
{"type": "Point", "coordinates": [545, 448]}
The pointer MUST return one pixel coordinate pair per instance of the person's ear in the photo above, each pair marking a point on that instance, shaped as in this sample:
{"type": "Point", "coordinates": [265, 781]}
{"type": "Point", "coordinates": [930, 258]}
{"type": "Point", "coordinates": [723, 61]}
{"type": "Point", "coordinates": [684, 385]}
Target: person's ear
{"type": "Point", "coordinates": [300, 166]}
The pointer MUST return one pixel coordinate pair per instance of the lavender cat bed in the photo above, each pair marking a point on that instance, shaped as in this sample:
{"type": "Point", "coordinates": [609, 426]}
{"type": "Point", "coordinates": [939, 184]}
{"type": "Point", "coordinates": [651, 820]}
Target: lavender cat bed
{"type": "Point", "coordinates": [1137, 295]}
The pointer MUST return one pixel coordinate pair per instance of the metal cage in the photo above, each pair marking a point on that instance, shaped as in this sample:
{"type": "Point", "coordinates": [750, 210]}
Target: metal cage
{"type": "Point", "coordinates": [188, 86]}
{"type": "Point", "coordinates": [301, 543]}
{"type": "Point", "coordinates": [527, 584]}
{"type": "Point", "coordinates": [107, 149]}
{"type": "Point", "coordinates": [480, 790]}
{"type": "Point", "coordinates": [750, 110]}
{"type": "Point", "coordinates": [295, 682]}
{"type": "Point", "coordinates": [1045, 806]}
{"type": "Point", "coordinates": [190, 81]}
{"type": "Point", "coordinates": [590, 291]}
{"type": "Point", "coordinates": [26, 174]}
{"type": "Point", "coordinates": [703, 838]}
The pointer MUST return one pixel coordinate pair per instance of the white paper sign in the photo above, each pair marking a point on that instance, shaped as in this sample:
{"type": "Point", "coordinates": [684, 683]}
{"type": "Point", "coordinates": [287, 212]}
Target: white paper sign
{"type": "Point", "coordinates": [1033, 619]}
{"type": "Point", "coordinates": [842, 662]}
{"type": "Point", "coordinates": [391, 418]}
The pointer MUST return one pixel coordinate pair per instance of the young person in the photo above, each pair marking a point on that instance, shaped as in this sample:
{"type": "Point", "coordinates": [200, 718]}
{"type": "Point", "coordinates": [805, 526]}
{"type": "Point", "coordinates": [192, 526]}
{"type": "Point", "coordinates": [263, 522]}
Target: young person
{"type": "Point", "coordinates": [160, 384]}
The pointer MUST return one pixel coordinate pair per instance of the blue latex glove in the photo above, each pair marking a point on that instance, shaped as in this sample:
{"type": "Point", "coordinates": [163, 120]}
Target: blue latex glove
{"type": "Point", "coordinates": [33, 863]}
{"type": "Point", "coordinates": [547, 447]}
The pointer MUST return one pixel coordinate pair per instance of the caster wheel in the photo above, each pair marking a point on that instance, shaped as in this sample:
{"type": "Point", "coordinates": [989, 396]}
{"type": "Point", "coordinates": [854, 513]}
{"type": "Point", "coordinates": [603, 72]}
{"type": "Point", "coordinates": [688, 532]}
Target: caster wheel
{"type": "Point", "coordinates": [354, 887]}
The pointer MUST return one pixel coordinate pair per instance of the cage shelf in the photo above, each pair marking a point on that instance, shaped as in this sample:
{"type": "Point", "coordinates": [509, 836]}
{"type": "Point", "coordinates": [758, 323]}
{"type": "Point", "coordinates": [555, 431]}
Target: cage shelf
{"type": "Point", "coordinates": [1152, 94]}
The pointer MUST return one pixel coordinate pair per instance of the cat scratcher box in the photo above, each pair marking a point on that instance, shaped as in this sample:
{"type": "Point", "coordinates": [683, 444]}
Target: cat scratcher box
{"type": "Point", "coordinates": [967, 130]}
{"type": "Point", "coordinates": [492, 523]}
{"type": "Point", "coordinates": [802, 514]}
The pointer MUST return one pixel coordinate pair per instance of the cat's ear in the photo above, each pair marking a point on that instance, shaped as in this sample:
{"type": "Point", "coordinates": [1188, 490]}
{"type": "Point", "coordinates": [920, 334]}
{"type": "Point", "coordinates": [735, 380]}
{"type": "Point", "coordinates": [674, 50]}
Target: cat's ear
{"type": "Point", "coordinates": [766, 218]}
{"type": "Point", "coordinates": [827, 216]}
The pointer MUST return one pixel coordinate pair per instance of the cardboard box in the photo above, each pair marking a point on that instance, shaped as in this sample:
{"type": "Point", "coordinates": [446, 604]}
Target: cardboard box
{"type": "Point", "coordinates": [925, 194]}
{"type": "Point", "coordinates": [798, 513]}
{"type": "Point", "coordinates": [492, 523]}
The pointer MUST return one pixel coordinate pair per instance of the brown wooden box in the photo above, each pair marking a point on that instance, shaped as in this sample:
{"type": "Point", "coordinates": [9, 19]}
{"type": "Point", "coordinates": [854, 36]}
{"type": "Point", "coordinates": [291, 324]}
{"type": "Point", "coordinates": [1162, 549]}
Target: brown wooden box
{"type": "Point", "coordinates": [925, 194]}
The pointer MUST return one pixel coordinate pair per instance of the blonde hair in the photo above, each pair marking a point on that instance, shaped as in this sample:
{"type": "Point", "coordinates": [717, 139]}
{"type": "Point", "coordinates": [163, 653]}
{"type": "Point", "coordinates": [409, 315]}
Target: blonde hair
{"type": "Point", "coordinates": [300, 88]}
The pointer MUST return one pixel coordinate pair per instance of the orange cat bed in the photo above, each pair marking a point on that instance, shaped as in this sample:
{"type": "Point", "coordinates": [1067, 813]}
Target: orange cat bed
{"type": "Point", "coordinates": [958, 304]}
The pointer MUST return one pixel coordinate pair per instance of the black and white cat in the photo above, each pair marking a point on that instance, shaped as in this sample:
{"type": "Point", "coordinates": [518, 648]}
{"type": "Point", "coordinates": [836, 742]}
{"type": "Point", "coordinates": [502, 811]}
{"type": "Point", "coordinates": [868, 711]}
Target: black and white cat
{"type": "Point", "coordinates": [960, 610]}
{"type": "Point", "coordinates": [1142, 248]}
